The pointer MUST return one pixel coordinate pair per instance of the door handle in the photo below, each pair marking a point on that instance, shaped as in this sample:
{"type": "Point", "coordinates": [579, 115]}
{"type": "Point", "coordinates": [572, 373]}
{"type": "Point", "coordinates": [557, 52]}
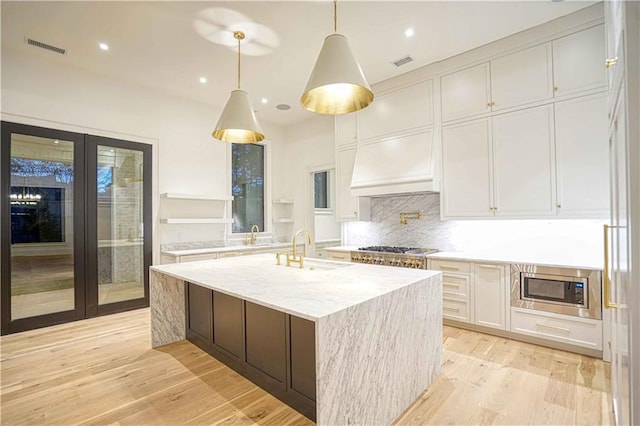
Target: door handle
{"type": "Point", "coordinates": [489, 266]}
{"type": "Point", "coordinates": [605, 279]}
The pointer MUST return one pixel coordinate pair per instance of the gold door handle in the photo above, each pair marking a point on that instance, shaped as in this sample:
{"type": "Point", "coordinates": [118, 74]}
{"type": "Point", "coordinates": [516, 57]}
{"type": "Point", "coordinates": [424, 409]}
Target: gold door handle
{"type": "Point", "coordinates": [555, 88]}
{"type": "Point", "coordinates": [611, 62]}
{"type": "Point", "coordinates": [605, 278]}
{"type": "Point", "coordinates": [489, 266]}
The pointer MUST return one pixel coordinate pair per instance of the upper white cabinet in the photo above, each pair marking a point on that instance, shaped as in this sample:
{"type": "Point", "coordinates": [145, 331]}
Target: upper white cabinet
{"type": "Point", "coordinates": [521, 77]}
{"type": "Point", "coordinates": [516, 79]}
{"type": "Point", "coordinates": [581, 156]}
{"type": "Point", "coordinates": [523, 162]}
{"type": "Point", "coordinates": [467, 168]}
{"type": "Point", "coordinates": [578, 62]}
{"type": "Point", "coordinates": [348, 207]}
{"type": "Point", "coordinates": [499, 166]}
{"type": "Point", "coordinates": [398, 110]}
{"type": "Point", "coordinates": [346, 129]}
{"type": "Point", "coordinates": [466, 93]}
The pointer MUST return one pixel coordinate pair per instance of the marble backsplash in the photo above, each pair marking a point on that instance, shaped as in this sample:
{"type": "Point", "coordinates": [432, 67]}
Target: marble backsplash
{"type": "Point", "coordinates": [463, 235]}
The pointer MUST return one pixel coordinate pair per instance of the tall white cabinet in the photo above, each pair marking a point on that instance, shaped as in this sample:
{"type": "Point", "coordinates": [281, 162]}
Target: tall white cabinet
{"type": "Point", "coordinates": [622, 273]}
{"type": "Point", "coordinates": [524, 134]}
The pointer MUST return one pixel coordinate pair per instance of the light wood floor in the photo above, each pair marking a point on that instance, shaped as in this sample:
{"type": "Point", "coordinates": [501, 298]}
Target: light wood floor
{"type": "Point", "coordinates": [103, 371]}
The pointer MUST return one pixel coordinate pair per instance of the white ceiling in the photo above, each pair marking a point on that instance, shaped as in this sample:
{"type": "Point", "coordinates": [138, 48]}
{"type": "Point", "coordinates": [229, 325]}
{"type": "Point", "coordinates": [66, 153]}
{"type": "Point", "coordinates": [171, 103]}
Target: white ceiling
{"type": "Point", "coordinates": [168, 46]}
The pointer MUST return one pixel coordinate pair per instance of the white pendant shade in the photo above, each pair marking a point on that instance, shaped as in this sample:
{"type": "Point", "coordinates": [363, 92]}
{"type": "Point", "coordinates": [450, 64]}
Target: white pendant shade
{"type": "Point", "coordinates": [337, 84]}
{"type": "Point", "coordinates": [238, 123]}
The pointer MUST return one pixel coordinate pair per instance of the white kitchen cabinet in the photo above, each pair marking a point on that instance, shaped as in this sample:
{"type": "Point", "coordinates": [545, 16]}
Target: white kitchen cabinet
{"type": "Point", "coordinates": [346, 132]}
{"type": "Point", "coordinates": [456, 288]}
{"type": "Point", "coordinates": [522, 77]}
{"type": "Point", "coordinates": [490, 288]}
{"type": "Point", "coordinates": [578, 62]}
{"type": "Point", "coordinates": [581, 156]}
{"type": "Point", "coordinates": [500, 166]}
{"type": "Point", "coordinates": [523, 162]}
{"type": "Point", "coordinates": [466, 93]}
{"type": "Point", "coordinates": [577, 331]}
{"type": "Point", "coordinates": [467, 169]}
{"type": "Point", "coordinates": [398, 110]}
{"type": "Point", "coordinates": [348, 207]}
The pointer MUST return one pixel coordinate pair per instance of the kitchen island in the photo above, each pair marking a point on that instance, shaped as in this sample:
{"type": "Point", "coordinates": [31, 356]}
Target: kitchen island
{"type": "Point", "coordinates": [342, 343]}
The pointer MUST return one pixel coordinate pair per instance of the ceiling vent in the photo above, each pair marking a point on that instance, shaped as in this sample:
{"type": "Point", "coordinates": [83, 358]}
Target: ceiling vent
{"type": "Point", "coordinates": [45, 46]}
{"type": "Point", "coordinates": [400, 62]}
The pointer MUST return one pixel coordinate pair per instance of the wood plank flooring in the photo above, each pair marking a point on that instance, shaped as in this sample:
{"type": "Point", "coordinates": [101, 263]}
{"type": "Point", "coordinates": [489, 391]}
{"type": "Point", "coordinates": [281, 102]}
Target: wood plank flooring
{"type": "Point", "coordinates": [103, 371]}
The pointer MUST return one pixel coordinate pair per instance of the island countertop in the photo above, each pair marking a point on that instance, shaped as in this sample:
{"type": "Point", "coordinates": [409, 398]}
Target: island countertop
{"type": "Point", "coordinates": [308, 293]}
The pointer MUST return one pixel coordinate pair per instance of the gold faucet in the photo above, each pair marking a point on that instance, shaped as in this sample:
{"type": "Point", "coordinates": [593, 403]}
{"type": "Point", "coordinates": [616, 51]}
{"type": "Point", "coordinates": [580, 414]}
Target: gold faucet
{"type": "Point", "coordinates": [294, 258]}
{"type": "Point", "coordinates": [252, 239]}
{"type": "Point", "coordinates": [412, 215]}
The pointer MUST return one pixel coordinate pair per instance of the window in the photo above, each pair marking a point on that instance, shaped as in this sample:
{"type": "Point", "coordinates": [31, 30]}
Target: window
{"type": "Point", "coordinates": [321, 190]}
{"type": "Point", "coordinates": [247, 186]}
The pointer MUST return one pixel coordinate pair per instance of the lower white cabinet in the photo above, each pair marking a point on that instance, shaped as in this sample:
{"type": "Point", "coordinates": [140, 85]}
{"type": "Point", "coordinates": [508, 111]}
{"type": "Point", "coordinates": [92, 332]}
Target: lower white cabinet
{"type": "Point", "coordinates": [489, 283]}
{"type": "Point", "coordinates": [583, 332]}
{"type": "Point", "coordinates": [473, 292]}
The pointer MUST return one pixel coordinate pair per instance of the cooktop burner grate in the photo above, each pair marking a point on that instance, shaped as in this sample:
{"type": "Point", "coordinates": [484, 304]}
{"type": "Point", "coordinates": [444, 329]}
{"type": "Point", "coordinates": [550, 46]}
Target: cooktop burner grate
{"type": "Point", "coordinates": [389, 249]}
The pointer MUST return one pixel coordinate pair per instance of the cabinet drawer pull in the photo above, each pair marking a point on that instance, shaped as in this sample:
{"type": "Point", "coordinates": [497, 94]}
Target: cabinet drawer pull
{"type": "Point", "coordinates": [553, 327]}
{"type": "Point", "coordinates": [450, 268]}
{"type": "Point", "coordinates": [448, 308]}
{"type": "Point", "coordinates": [489, 266]}
{"type": "Point", "coordinates": [451, 285]}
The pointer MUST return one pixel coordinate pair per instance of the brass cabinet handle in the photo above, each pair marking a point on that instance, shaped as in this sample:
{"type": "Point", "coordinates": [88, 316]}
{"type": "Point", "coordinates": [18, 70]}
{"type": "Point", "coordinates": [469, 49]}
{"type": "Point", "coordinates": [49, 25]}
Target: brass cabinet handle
{"type": "Point", "coordinates": [488, 104]}
{"type": "Point", "coordinates": [555, 88]}
{"type": "Point", "coordinates": [553, 327]}
{"type": "Point", "coordinates": [450, 285]}
{"type": "Point", "coordinates": [489, 266]}
{"type": "Point", "coordinates": [605, 278]}
{"type": "Point", "coordinates": [610, 62]}
{"type": "Point", "coordinates": [451, 268]}
{"type": "Point", "coordinates": [448, 308]}
{"type": "Point", "coordinates": [559, 206]}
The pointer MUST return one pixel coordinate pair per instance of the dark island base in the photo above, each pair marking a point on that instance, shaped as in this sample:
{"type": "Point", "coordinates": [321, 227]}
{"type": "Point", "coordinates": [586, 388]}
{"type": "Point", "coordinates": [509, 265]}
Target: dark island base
{"type": "Point", "coordinates": [274, 350]}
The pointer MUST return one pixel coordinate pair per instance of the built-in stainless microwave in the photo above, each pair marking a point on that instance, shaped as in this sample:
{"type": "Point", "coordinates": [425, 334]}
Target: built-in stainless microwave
{"type": "Point", "coordinates": [561, 290]}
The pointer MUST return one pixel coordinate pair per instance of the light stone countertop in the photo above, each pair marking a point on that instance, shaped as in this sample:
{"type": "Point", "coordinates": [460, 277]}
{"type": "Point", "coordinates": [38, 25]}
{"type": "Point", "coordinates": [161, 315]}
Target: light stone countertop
{"type": "Point", "coordinates": [223, 249]}
{"type": "Point", "coordinates": [312, 294]}
{"type": "Point", "coordinates": [582, 257]}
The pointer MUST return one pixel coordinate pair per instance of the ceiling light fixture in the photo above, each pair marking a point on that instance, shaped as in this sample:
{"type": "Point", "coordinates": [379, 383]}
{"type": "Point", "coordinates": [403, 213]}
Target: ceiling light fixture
{"type": "Point", "coordinates": [408, 32]}
{"type": "Point", "coordinates": [237, 122]}
{"type": "Point", "coordinates": [265, 100]}
{"type": "Point", "coordinates": [203, 80]}
{"type": "Point", "coordinates": [103, 46]}
{"type": "Point", "coordinates": [337, 84]}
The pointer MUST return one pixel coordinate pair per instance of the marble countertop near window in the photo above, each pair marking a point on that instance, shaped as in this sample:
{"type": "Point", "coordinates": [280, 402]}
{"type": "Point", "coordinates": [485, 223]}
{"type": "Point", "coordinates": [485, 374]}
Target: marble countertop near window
{"type": "Point", "coordinates": [321, 288]}
{"type": "Point", "coordinates": [223, 249]}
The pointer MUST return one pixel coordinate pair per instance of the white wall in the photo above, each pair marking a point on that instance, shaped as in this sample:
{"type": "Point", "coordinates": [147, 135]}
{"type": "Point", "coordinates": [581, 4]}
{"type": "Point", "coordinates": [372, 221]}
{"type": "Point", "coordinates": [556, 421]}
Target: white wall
{"type": "Point", "coordinates": [309, 147]}
{"type": "Point", "coordinates": [40, 90]}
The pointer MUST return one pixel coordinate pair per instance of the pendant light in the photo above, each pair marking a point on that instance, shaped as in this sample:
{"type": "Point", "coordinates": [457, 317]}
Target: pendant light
{"type": "Point", "coordinates": [237, 122]}
{"type": "Point", "coordinates": [337, 84]}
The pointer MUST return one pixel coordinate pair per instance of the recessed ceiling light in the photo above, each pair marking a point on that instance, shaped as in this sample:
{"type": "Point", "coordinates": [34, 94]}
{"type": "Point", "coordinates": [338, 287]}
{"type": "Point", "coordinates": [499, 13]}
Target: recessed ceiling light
{"type": "Point", "coordinates": [103, 46]}
{"type": "Point", "coordinates": [408, 32]}
{"type": "Point", "coordinates": [283, 107]}
{"type": "Point", "coordinates": [112, 150]}
{"type": "Point", "coordinates": [265, 100]}
{"type": "Point", "coordinates": [56, 142]}
{"type": "Point", "coordinates": [203, 80]}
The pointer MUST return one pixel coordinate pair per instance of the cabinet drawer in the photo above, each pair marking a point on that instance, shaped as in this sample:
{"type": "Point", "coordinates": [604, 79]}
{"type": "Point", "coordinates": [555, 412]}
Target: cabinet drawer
{"type": "Point", "coordinates": [455, 285]}
{"type": "Point", "coordinates": [339, 255]}
{"type": "Point", "coordinates": [561, 328]}
{"type": "Point", "coordinates": [196, 257]}
{"type": "Point", "coordinates": [449, 266]}
{"type": "Point", "coordinates": [455, 309]}
{"type": "Point", "coordinates": [229, 254]}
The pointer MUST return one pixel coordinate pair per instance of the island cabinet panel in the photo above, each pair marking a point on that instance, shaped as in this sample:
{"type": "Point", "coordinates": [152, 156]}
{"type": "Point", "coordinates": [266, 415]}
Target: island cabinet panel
{"type": "Point", "coordinates": [227, 324]}
{"type": "Point", "coordinates": [266, 340]}
{"type": "Point", "coordinates": [303, 356]}
{"type": "Point", "coordinates": [199, 314]}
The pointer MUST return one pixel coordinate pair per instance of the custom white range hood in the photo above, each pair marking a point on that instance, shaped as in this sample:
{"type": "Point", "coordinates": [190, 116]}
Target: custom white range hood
{"type": "Point", "coordinates": [395, 165]}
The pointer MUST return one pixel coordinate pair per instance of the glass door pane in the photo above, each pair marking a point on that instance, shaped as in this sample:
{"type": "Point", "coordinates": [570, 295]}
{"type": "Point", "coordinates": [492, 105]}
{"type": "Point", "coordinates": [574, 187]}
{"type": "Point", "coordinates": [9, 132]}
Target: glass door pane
{"type": "Point", "coordinates": [120, 219]}
{"type": "Point", "coordinates": [41, 198]}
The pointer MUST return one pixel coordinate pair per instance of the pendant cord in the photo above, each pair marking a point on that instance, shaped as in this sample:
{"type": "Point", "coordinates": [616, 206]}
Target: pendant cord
{"type": "Point", "coordinates": [335, 16]}
{"type": "Point", "coordinates": [238, 63]}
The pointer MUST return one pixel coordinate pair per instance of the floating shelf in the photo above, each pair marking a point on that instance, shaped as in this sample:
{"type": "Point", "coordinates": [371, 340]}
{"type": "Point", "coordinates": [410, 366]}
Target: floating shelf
{"type": "Point", "coordinates": [282, 201]}
{"type": "Point", "coordinates": [283, 220]}
{"type": "Point", "coordinates": [181, 196]}
{"type": "Point", "coordinates": [170, 220]}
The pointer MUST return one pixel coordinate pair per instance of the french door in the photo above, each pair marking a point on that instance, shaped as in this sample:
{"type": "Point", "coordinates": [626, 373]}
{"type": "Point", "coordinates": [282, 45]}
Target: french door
{"type": "Point", "coordinates": [73, 211]}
